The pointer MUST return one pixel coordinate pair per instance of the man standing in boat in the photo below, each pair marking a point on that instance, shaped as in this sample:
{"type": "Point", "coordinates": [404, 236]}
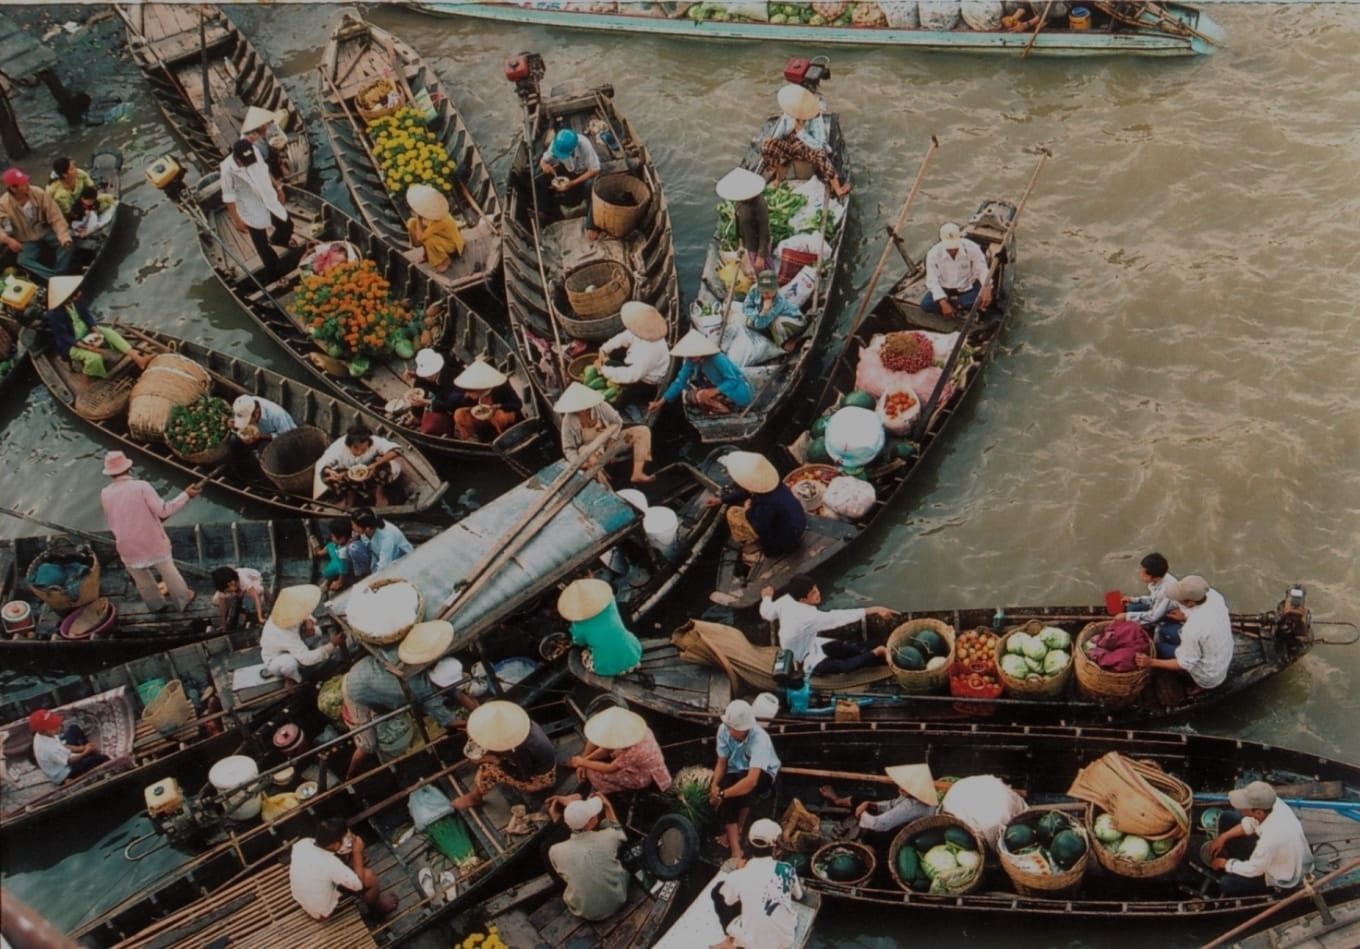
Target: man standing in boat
{"type": "Point", "coordinates": [134, 512]}
{"type": "Point", "coordinates": [956, 274]}
{"type": "Point", "coordinates": [255, 198]}
{"type": "Point", "coordinates": [569, 167]}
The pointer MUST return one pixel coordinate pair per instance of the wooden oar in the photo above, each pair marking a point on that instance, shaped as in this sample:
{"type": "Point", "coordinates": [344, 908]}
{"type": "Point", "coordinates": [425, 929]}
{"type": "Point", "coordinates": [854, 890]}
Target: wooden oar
{"type": "Point", "coordinates": [1309, 890]}
{"type": "Point", "coordinates": [1043, 18]}
{"type": "Point", "coordinates": [92, 538]}
{"type": "Point", "coordinates": [928, 408]}
{"type": "Point", "coordinates": [360, 134]}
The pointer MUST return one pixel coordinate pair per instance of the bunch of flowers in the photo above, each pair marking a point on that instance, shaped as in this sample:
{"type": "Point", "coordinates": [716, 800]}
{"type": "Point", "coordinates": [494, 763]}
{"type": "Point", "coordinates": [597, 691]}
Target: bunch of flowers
{"type": "Point", "coordinates": [409, 153]}
{"type": "Point", "coordinates": [349, 311]}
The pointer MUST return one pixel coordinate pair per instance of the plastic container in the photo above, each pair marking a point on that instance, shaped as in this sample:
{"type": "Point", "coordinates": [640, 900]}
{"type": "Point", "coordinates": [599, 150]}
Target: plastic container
{"type": "Point", "coordinates": [17, 617]}
{"type": "Point", "coordinates": [855, 436]}
{"type": "Point", "coordinates": [163, 797]}
{"type": "Point", "coordinates": [18, 293]}
{"type": "Point", "coordinates": [291, 740]}
{"type": "Point", "coordinates": [634, 497]}
{"type": "Point", "coordinates": [1079, 18]}
{"type": "Point", "coordinates": [232, 773]}
{"type": "Point", "coordinates": [661, 526]}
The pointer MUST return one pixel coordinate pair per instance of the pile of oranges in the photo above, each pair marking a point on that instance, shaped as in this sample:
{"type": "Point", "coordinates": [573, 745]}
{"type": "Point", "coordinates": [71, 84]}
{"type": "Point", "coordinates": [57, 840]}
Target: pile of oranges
{"type": "Point", "coordinates": [409, 153]}
{"type": "Point", "coordinates": [976, 650]}
{"type": "Point", "coordinates": [349, 311]}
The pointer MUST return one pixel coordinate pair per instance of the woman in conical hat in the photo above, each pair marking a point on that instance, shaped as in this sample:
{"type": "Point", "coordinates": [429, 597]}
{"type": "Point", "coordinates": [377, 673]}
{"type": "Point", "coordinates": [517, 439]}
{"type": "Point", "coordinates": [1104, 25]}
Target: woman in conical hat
{"type": "Point", "coordinates": [801, 135]}
{"type": "Point", "coordinates": [707, 378]}
{"type": "Point", "coordinates": [638, 359]}
{"type": "Point", "coordinates": [586, 416]}
{"type": "Point", "coordinates": [518, 753]}
{"type": "Point", "coordinates": [764, 516]}
{"type": "Point", "coordinates": [621, 754]}
{"type": "Point", "coordinates": [746, 190]}
{"type": "Point", "coordinates": [434, 233]}
{"type": "Point", "coordinates": [610, 648]}
{"type": "Point", "coordinates": [77, 333]}
{"type": "Point", "coordinates": [490, 403]}
{"type": "Point", "coordinates": [284, 646]}
{"type": "Point", "coordinates": [882, 818]}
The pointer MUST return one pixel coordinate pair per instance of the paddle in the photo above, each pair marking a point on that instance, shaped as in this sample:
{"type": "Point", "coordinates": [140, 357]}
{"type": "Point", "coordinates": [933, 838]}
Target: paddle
{"type": "Point", "coordinates": [92, 538]}
{"type": "Point", "coordinates": [1043, 18]}
{"type": "Point", "coordinates": [928, 409]}
{"type": "Point", "coordinates": [1308, 890]}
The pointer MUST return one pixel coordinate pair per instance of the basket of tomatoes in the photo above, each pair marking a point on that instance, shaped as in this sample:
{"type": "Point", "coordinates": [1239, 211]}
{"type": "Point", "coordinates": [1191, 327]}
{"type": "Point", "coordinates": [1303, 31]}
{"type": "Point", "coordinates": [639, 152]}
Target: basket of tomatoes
{"type": "Point", "coordinates": [973, 674]}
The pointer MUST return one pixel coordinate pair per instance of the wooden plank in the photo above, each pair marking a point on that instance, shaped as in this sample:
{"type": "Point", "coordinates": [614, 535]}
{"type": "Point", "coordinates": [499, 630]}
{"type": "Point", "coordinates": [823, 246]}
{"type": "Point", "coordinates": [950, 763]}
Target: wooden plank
{"type": "Point", "coordinates": [515, 929]}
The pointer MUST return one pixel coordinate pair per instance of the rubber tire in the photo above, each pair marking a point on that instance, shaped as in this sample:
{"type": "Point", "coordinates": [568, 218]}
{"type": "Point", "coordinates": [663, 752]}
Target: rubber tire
{"type": "Point", "coordinates": [651, 847]}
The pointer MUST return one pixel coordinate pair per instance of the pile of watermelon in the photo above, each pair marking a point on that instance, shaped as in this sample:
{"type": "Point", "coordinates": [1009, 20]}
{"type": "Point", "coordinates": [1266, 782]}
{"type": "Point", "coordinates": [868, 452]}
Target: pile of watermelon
{"type": "Point", "coordinates": [1050, 840]}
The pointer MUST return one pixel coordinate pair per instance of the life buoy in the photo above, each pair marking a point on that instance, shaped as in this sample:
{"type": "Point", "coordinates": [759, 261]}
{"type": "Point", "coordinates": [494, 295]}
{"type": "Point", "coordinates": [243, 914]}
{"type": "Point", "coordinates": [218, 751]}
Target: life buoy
{"type": "Point", "coordinates": [671, 827]}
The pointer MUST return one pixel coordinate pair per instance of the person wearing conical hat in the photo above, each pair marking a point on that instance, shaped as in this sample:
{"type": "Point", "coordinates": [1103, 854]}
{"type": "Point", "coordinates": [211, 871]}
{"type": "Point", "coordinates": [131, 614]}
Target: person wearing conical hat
{"type": "Point", "coordinates": [586, 416]}
{"type": "Point", "coordinates": [956, 274]}
{"type": "Point", "coordinates": [621, 754]}
{"type": "Point", "coordinates": [262, 129]}
{"type": "Point", "coordinates": [610, 648]}
{"type": "Point", "coordinates": [765, 517]}
{"type": "Point", "coordinates": [516, 752]}
{"type": "Point", "coordinates": [434, 234]}
{"type": "Point", "coordinates": [284, 647]}
{"type": "Point", "coordinates": [918, 799]}
{"type": "Point", "coordinates": [638, 359]}
{"type": "Point", "coordinates": [134, 512]}
{"type": "Point", "coordinates": [490, 405]}
{"type": "Point", "coordinates": [77, 333]}
{"type": "Point", "coordinates": [34, 223]}
{"type": "Point", "coordinates": [801, 135]}
{"type": "Point", "coordinates": [746, 190]}
{"type": "Point", "coordinates": [707, 379]}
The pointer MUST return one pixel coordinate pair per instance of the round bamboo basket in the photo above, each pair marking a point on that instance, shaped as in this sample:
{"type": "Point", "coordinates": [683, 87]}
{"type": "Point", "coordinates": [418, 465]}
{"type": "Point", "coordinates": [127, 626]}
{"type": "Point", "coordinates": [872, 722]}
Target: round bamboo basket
{"type": "Point", "coordinates": [288, 459]}
{"type": "Point", "coordinates": [104, 398]}
{"type": "Point", "coordinates": [169, 380]}
{"type": "Point", "coordinates": [864, 852]}
{"type": "Point", "coordinates": [208, 456]}
{"type": "Point", "coordinates": [1135, 869]}
{"type": "Point", "coordinates": [397, 635]}
{"type": "Point", "coordinates": [611, 284]}
{"type": "Point", "coordinates": [576, 369]}
{"type": "Point", "coordinates": [819, 476]}
{"type": "Point", "coordinates": [1113, 689]}
{"type": "Point", "coordinates": [618, 201]}
{"type": "Point", "coordinates": [57, 597]}
{"type": "Point", "coordinates": [1043, 885]}
{"type": "Point", "coordinates": [922, 824]}
{"type": "Point", "coordinates": [923, 680]}
{"type": "Point", "coordinates": [1035, 686]}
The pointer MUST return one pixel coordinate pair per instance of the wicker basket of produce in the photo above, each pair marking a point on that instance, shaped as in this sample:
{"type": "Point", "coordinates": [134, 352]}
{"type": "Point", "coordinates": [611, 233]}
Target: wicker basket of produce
{"type": "Point", "coordinates": [1132, 855]}
{"type": "Point", "coordinates": [919, 652]}
{"type": "Point", "coordinates": [595, 291]}
{"type": "Point", "coordinates": [197, 432]}
{"type": "Point", "coordinates": [104, 398]}
{"type": "Point", "coordinates": [939, 854]}
{"type": "Point", "coordinates": [808, 484]}
{"type": "Point", "coordinates": [576, 369]}
{"type": "Point", "coordinates": [845, 863]}
{"type": "Point", "coordinates": [169, 380]}
{"type": "Point", "coordinates": [289, 459]}
{"type": "Point", "coordinates": [618, 201]}
{"type": "Point", "coordinates": [380, 97]}
{"type": "Point", "coordinates": [381, 613]}
{"type": "Point", "coordinates": [1045, 852]}
{"type": "Point", "coordinates": [1034, 661]}
{"type": "Point", "coordinates": [1113, 689]}
{"type": "Point", "coordinates": [53, 574]}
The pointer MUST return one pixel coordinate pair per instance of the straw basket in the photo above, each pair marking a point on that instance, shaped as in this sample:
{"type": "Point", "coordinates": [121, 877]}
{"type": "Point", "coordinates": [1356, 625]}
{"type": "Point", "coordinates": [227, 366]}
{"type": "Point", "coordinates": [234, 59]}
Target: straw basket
{"type": "Point", "coordinates": [824, 853]}
{"type": "Point", "coordinates": [923, 680]}
{"type": "Point", "coordinates": [1043, 885]}
{"type": "Point", "coordinates": [1136, 869]}
{"type": "Point", "coordinates": [816, 478]}
{"type": "Point", "coordinates": [170, 380]}
{"type": "Point", "coordinates": [170, 709]}
{"type": "Point", "coordinates": [1035, 686]}
{"type": "Point", "coordinates": [1139, 795]}
{"type": "Point", "coordinates": [922, 824]}
{"type": "Point", "coordinates": [1112, 689]}
{"type": "Point", "coordinates": [289, 458]}
{"type": "Point", "coordinates": [618, 201]}
{"type": "Point", "coordinates": [104, 398]}
{"type": "Point", "coordinates": [576, 369]}
{"type": "Point", "coordinates": [57, 597]}
{"type": "Point", "coordinates": [592, 307]}
{"type": "Point", "coordinates": [397, 635]}
{"type": "Point", "coordinates": [208, 456]}
{"type": "Point", "coordinates": [376, 92]}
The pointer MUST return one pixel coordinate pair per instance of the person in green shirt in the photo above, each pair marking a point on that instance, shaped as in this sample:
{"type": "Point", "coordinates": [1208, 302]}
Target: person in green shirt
{"type": "Point", "coordinates": [68, 180]}
{"type": "Point", "coordinates": [589, 606]}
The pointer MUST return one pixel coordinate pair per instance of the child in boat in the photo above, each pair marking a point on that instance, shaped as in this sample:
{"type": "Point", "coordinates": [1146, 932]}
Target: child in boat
{"type": "Point", "coordinates": [348, 557]}
{"type": "Point", "coordinates": [233, 585]}
{"type": "Point", "coordinates": [1156, 611]}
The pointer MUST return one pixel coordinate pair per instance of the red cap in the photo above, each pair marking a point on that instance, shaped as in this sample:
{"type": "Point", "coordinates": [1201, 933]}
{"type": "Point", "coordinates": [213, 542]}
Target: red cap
{"type": "Point", "coordinates": [15, 178]}
{"type": "Point", "coordinates": [44, 720]}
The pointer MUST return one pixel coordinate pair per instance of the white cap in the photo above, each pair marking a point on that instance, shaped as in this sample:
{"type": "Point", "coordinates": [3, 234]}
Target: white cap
{"type": "Point", "coordinates": [764, 833]}
{"type": "Point", "coordinates": [244, 410]}
{"type": "Point", "coordinates": [578, 814]}
{"type": "Point", "coordinates": [428, 363]}
{"type": "Point", "coordinates": [739, 716]}
{"type": "Point", "coordinates": [951, 237]}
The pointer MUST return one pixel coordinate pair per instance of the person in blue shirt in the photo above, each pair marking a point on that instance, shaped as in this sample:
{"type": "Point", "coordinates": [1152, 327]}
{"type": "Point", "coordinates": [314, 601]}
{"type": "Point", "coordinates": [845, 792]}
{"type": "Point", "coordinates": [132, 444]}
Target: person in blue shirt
{"type": "Point", "coordinates": [569, 167]}
{"type": "Point", "coordinates": [769, 311]}
{"type": "Point", "coordinates": [744, 772]}
{"type": "Point", "coordinates": [255, 423]}
{"type": "Point", "coordinates": [348, 557]}
{"type": "Point", "coordinates": [386, 542]}
{"type": "Point", "coordinates": [707, 378]}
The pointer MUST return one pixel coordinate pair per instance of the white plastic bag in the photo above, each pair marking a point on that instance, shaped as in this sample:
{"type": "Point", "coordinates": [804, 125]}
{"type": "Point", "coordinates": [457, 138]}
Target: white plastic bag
{"type": "Point", "coordinates": [939, 15]}
{"type": "Point", "coordinates": [427, 805]}
{"type": "Point", "coordinates": [899, 423]}
{"type": "Point", "coordinates": [798, 291]}
{"type": "Point", "coordinates": [985, 803]}
{"type": "Point", "coordinates": [848, 498]}
{"type": "Point", "coordinates": [750, 347]}
{"type": "Point", "coordinates": [981, 14]}
{"type": "Point", "coordinates": [901, 14]}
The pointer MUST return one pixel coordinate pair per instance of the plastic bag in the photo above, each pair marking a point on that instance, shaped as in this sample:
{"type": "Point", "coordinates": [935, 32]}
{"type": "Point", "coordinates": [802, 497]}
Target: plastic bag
{"type": "Point", "coordinates": [898, 421]}
{"type": "Point", "coordinates": [427, 805]}
{"type": "Point", "coordinates": [849, 498]}
{"type": "Point", "coordinates": [799, 290]}
{"type": "Point", "coordinates": [985, 803]}
{"type": "Point", "coordinates": [940, 15]}
{"type": "Point", "coordinates": [981, 14]}
{"type": "Point", "coordinates": [901, 14]}
{"type": "Point", "coordinates": [750, 347]}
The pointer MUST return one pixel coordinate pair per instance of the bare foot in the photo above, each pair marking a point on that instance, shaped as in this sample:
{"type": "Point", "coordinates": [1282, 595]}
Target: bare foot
{"type": "Point", "coordinates": [464, 801]}
{"type": "Point", "coordinates": [193, 595]}
{"type": "Point", "coordinates": [592, 234]}
{"type": "Point", "coordinates": [829, 794]}
{"type": "Point", "coordinates": [642, 477]}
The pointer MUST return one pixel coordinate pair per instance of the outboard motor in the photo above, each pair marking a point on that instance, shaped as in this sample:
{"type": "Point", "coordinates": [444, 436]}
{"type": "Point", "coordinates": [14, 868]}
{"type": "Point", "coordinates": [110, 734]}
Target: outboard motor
{"type": "Point", "coordinates": [807, 73]}
{"type": "Point", "coordinates": [1295, 620]}
{"type": "Point", "coordinates": [170, 812]}
{"type": "Point", "coordinates": [167, 175]}
{"type": "Point", "coordinates": [525, 71]}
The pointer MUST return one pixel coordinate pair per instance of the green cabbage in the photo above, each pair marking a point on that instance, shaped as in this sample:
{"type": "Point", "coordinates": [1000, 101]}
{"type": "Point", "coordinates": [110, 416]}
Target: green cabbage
{"type": "Point", "coordinates": [1035, 649]}
{"type": "Point", "coordinates": [939, 859]}
{"type": "Point", "coordinates": [1055, 662]}
{"type": "Point", "coordinates": [1133, 847]}
{"type": "Point", "coordinates": [1105, 830]}
{"type": "Point", "coordinates": [1015, 666]}
{"type": "Point", "coordinates": [1055, 638]}
{"type": "Point", "coordinates": [1163, 846]}
{"type": "Point", "coordinates": [1015, 645]}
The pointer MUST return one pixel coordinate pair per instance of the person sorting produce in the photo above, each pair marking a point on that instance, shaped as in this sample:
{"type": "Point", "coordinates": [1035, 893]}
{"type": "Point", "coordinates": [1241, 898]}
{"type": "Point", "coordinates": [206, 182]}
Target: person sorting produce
{"type": "Point", "coordinates": [707, 379]}
{"type": "Point", "coordinates": [1279, 859]}
{"type": "Point", "coordinates": [586, 416]}
{"type": "Point", "coordinates": [744, 772]}
{"type": "Point", "coordinates": [637, 360]}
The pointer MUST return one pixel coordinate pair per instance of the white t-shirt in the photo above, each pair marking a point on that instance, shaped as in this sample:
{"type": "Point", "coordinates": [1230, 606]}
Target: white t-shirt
{"type": "Point", "coordinates": [799, 623]}
{"type": "Point", "coordinates": [314, 878]}
{"type": "Point", "coordinates": [766, 889]}
{"type": "Point", "coordinates": [1282, 854]}
{"type": "Point", "coordinates": [53, 757]}
{"type": "Point", "coordinates": [1206, 648]}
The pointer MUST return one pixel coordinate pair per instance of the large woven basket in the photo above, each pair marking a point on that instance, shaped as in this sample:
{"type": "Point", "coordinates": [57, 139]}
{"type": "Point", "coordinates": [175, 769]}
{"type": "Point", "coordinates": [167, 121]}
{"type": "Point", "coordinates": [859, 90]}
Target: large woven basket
{"type": "Point", "coordinates": [1043, 885]}
{"type": "Point", "coordinates": [1033, 687]}
{"type": "Point", "coordinates": [1136, 869]}
{"type": "Point", "coordinates": [864, 852]}
{"type": "Point", "coordinates": [611, 284]}
{"type": "Point", "coordinates": [397, 635]}
{"type": "Point", "coordinates": [922, 680]}
{"type": "Point", "coordinates": [289, 459]}
{"type": "Point", "coordinates": [170, 380]}
{"type": "Point", "coordinates": [208, 456]}
{"type": "Point", "coordinates": [375, 91]}
{"type": "Point", "coordinates": [1141, 797]}
{"type": "Point", "coordinates": [104, 398]}
{"type": "Point", "coordinates": [57, 597]}
{"type": "Point", "coordinates": [618, 202]}
{"type": "Point", "coordinates": [921, 824]}
{"type": "Point", "coordinates": [1112, 689]}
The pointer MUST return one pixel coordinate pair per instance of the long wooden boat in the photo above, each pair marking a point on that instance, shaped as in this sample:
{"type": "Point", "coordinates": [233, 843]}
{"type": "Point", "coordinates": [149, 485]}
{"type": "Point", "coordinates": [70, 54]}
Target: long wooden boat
{"type": "Point", "coordinates": [460, 332]}
{"type": "Point", "coordinates": [15, 342]}
{"type": "Point", "coordinates": [109, 706]}
{"type": "Point", "coordinates": [1264, 644]}
{"type": "Point", "coordinates": [1328, 927]}
{"type": "Point", "coordinates": [699, 925]}
{"type": "Point", "coordinates": [358, 54]}
{"type": "Point", "coordinates": [774, 382]}
{"type": "Point", "coordinates": [1041, 763]}
{"type": "Point", "coordinates": [547, 253]}
{"type": "Point", "coordinates": [897, 311]}
{"type": "Point", "coordinates": [230, 378]}
{"type": "Point", "coordinates": [235, 887]}
{"type": "Point", "coordinates": [280, 550]}
{"type": "Point", "coordinates": [1157, 30]}
{"type": "Point", "coordinates": [597, 532]}
{"type": "Point", "coordinates": [205, 74]}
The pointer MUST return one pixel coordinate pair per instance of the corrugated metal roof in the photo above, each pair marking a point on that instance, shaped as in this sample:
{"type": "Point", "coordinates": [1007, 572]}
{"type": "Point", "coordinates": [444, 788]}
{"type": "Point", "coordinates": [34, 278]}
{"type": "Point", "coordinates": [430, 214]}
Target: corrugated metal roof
{"type": "Point", "coordinates": [22, 55]}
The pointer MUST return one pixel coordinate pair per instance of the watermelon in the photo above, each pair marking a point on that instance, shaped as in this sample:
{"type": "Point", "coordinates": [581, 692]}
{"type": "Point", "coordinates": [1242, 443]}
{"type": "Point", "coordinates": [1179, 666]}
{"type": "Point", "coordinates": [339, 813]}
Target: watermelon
{"type": "Point", "coordinates": [858, 399]}
{"type": "Point", "coordinates": [959, 838]}
{"type": "Point", "coordinates": [1067, 848]}
{"type": "Point", "coordinates": [909, 657]}
{"type": "Point", "coordinates": [1018, 837]}
{"type": "Point", "coordinates": [818, 427]}
{"type": "Point", "coordinates": [817, 453]}
{"type": "Point", "coordinates": [845, 865]}
{"type": "Point", "coordinates": [927, 839]}
{"type": "Point", "coordinates": [931, 643]}
{"type": "Point", "coordinates": [1051, 824]}
{"type": "Point", "coordinates": [908, 863]}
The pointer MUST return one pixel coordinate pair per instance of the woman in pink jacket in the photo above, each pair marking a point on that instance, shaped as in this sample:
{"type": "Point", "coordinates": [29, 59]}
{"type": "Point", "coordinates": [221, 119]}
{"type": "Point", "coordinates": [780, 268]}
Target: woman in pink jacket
{"type": "Point", "coordinates": [134, 512]}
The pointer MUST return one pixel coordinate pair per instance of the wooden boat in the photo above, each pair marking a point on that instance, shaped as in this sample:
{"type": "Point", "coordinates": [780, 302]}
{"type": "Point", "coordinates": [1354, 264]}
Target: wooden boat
{"type": "Point", "coordinates": [1328, 927]}
{"type": "Point", "coordinates": [235, 887]}
{"type": "Point", "coordinates": [110, 706]}
{"type": "Point", "coordinates": [1159, 30]}
{"type": "Point", "coordinates": [562, 290]}
{"type": "Point", "coordinates": [280, 550]}
{"type": "Point", "coordinates": [699, 924]}
{"type": "Point", "coordinates": [897, 311]}
{"type": "Point", "coordinates": [480, 572]}
{"type": "Point", "coordinates": [1264, 644]}
{"type": "Point", "coordinates": [230, 378]}
{"type": "Point", "coordinates": [205, 74]}
{"type": "Point", "coordinates": [459, 332]}
{"type": "Point", "coordinates": [16, 340]}
{"type": "Point", "coordinates": [1041, 763]}
{"type": "Point", "coordinates": [776, 380]}
{"type": "Point", "coordinates": [359, 54]}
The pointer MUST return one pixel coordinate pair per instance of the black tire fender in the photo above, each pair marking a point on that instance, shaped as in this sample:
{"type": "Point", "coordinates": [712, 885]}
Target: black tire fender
{"type": "Point", "coordinates": [651, 847]}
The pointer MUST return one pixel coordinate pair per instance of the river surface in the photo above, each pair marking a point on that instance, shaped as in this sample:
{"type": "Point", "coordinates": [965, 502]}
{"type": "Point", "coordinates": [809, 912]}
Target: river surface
{"type": "Point", "coordinates": [1178, 375]}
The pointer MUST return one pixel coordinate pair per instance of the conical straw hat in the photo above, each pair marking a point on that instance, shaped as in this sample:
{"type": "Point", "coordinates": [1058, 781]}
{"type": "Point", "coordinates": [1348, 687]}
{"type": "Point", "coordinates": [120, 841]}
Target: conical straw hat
{"type": "Point", "coordinates": [583, 599]}
{"type": "Point", "coordinates": [694, 343]}
{"type": "Point", "coordinates": [740, 184]}
{"type": "Point", "coordinates": [295, 604]}
{"type": "Point", "coordinates": [577, 398]}
{"type": "Point", "coordinates": [427, 202]}
{"type": "Point", "coordinates": [751, 471]}
{"type": "Point", "coordinates": [59, 290]}
{"type": "Point", "coordinates": [425, 642]}
{"type": "Point", "coordinates": [256, 118]}
{"type": "Point", "coordinates": [616, 728]}
{"type": "Point", "coordinates": [498, 726]}
{"type": "Point", "coordinates": [479, 375]}
{"type": "Point", "coordinates": [916, 780]}
{"type": "Point", "coordinates": [798, 102]}
{"type": "Point", "coordinates": [643, 320]}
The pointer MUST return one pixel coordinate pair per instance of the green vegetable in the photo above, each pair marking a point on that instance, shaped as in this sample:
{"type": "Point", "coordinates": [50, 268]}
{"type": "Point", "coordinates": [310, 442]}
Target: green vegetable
{"type": "Point", "coordinates": [201, 425]}
{"type": "Point", "coordinates": [1015, 643]}
{"type": "Point", "coordinates": [817, 453]}
{"type": "Point", "coordinates": [903, 450]}
{"type": "Point", "coordinates": [1163, 846]}
{"type": "Point", "coordinates": [1034, 648]}
{"type": "Point", "coordinates": [1034, 665]}
{"type": "Point", "coordinates": [1133, 847]}
{"type": "Point", "coordinates": [1015, 666]}
{"type": "Point", "coordinates": [591, 373]}
{"type": "Point", "coordinates": [1055, 638]}
{"type": "Point", "coordinates": [959, 837]}
{"type": "Point", "coordinates": [968, 859]}
{"type": "Point", "coordinates": [928, 838]}
{"type": "Point", "coordinates": [358, 366]}
{"type": "Point", "coordinates": [403, 349]}
{"type": "Point", "coordinates": [908, 657]}
{"type": "Point", "coordinates": [818, 427]}
{"type": "Point", "coordinates": [1055, 662]}
{"type": "Point", "coordinates": [1105, 830]}
{"type": "Point", "coordinates": [931, 643]}
{"type": "Point", "coordinates": [1067, 848]}
{"type": "Point", "coordinates": [908, 863]}
{"type": "Point", "coordinates": [859, 473]}
{"type": "Point", "coordinates": [1050, 825]}
{"type": "Point", "coordinates": [611, 393]}
{"type": "Point", "coordinates": [937, 860]}
{"type": "Point", "coordinates": [1017, 837]}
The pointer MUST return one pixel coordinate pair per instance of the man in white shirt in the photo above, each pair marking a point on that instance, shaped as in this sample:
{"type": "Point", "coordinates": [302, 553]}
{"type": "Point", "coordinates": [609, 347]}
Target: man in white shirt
{"type": "Point", "coordinates": [283, 647]}
{"type": "Point", "coordinates": [956, 272]}
{"type": "Point", "coordinates": [798, 621]}
{"type": "Point", "coordinates": [646, 355]}
{"type": "Point", "coordinates": [63, 756]}
{"type": "Point", "coordinates": [1206, 649]}
{"type": "Point", "coordinates": [254, 198]}
{"type": "Point", "coordinates": [1281, 856]}
{"type": "Point", "coordinates": [316, 874]}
